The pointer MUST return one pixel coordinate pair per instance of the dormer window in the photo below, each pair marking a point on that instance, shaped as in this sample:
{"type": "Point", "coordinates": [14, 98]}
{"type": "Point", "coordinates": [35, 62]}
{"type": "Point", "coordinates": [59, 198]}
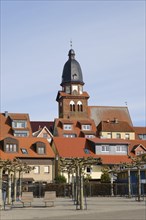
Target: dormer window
{"type": "Point", "coordinates": [67, 127]}
{"type": "Point", "coordinates": [19, 124]}
{"type": "Point", "coordinates": [21, 133]}
{"type": "Point", "coordinates": [40, 148]}
{"type": "Point", "coordinates": [142, 136]}
{"type": "Point", "coordinates": [10, 145]}
{"type": "Point", "coordinates": [105, 148]}
{"type": "Point", "coordinates": [86, 127]}
{"type": "Point", "coordinates": [89, 136]}
{"type": "Point", "coordinates": [69, 135]}
{"type": "Point", "coordinates": [11, 148]}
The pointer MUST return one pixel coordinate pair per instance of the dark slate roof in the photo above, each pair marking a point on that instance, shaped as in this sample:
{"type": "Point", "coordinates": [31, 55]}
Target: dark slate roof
{"type": "Point", "coordinates": [37, 125]}
{"type": "Point", "coordinates": [72, 72]}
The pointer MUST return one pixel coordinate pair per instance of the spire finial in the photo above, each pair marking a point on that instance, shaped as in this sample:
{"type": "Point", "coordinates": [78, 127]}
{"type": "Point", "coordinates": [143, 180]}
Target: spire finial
{"type": "Point", "coordinates": [71, 44]}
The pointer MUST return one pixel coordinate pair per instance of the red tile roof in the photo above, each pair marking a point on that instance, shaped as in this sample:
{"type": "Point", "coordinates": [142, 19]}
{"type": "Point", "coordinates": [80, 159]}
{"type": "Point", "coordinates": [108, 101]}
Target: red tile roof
{"type": "Point", "coordinates": [139, 130]}
{"type": "Point", "coordinates": [115, 126]}
{"type": "Point", "coordinates": [76, 128]}
{"type": "Point", "coordinates": [74, 147]}
{"type": "Point", "coordinates": [107, 140]}
{"type": "Point", "coordinates": [18, 116]}
{"type": "Point", "coordinates": [134, 143]}
{"type": "Point", "coordinates": [70, 147]}
{"type": "Point", "coordinates": [104, 113]}
{"type": "Point", "coordinates": [114, 159]}
{"type": "Point", "coordinates": [6, 130]}
{"type": "Point", "coordinates": [27, 143]}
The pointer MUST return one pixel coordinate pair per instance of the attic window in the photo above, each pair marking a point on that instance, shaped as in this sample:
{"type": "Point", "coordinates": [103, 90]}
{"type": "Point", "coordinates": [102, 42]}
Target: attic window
{"type": "Point", "coordinates": [121, 148]}
{"type": "Point", "coordinates": [105, 148]}
{"type": "Point", "coordinates": [67, 127]}
{"type": "Point", "coordinates": [24, 151]}
{"type": "Point", "coordinates": [11, 148]}
{"type": "Point", "coordinates": [45, 135]}
{"type": "Point", "coordinates": [89, 136]}
{"type": "Point", "coordinates": [86, 127]}
{"type": "Point", "coordinates": [19, 124]}
{"type": "Point", "coordinates": [140, 152]}
{"type": "Point", "coordinates": [10, 145]}
{"type": "Point", "coordinates": [69, 135]}
{"type": "Point", "coordinates": [41, 150]}
{"type": "Point", "coordinates": [142, 136]}
{"type": "Point", "coordinates": [21, 133]}
{"type": "Point", "coordinates": [86, 151]}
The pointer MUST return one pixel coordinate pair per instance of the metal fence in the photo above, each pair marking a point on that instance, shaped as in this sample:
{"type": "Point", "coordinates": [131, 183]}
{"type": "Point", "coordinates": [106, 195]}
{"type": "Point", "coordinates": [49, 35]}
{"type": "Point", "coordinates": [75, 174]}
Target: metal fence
{"type": "Point", "coordinates": [90, 189]}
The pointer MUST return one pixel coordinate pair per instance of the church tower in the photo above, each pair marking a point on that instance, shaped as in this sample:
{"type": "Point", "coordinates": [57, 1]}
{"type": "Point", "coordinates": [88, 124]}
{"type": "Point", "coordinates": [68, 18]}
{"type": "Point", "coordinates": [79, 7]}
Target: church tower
{"type": "Point", "coordinates": [72, 100]}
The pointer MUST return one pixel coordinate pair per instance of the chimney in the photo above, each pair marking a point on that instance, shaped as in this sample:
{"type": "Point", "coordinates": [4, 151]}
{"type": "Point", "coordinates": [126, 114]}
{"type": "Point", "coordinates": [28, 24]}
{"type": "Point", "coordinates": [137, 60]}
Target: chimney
{"type": "Point", "coordinates": [116, 121]}
{"type": "Point", "coordinates": [6, 114]}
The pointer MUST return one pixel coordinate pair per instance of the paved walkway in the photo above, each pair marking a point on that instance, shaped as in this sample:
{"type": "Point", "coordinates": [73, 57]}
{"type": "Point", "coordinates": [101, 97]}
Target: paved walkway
{"type": "Point", "coordinates": [98, 208]}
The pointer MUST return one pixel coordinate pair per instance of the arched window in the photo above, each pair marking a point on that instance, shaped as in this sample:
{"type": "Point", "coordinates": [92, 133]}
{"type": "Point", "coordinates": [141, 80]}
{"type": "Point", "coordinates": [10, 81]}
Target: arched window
{"type": "Point", "coordinates": [79, 106]}
{"type": "Point", "coordinates": [72, 106]}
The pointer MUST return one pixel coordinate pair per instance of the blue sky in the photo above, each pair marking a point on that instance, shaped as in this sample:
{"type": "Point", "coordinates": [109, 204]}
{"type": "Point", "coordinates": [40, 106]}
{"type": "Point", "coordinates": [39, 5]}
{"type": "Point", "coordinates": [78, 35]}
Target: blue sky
{"type": "Point", "coordinates": [109, 41]}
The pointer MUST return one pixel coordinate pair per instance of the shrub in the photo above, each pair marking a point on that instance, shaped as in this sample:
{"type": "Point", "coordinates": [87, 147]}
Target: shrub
{"type": "Point", "coordinates": [60, 179]}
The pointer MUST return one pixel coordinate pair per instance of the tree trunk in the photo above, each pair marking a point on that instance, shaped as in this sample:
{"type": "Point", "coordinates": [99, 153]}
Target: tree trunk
{"type": "Point", "coordinates": [139, 184]}
{"type": "Point", "coordinates": [81, 191]}
{"type": "Point", "coordinates": [1, 201]}
{"type": "Point", "coordinates": [9, 187]}
{"type": "Point", "coordinates": [129, 184]}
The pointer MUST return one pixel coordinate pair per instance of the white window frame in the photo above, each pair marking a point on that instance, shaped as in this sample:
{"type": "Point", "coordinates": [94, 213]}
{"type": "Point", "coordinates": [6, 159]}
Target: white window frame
{"type": "Point", "coordinates": [45, 135]}
{"type": "Point", "coordinates": [89, 136]}
{"type": "Point", "coordinates": [41, 150]}
{"type": "Point", "coordinates": [121, 148]}
{"type": "Point", "coordinates": [105, 148]}
{"type": "Point", "coordinates": [21, 133]}
{"type": "Point", "coordinates": [19, 124]}
{"type": "Point", "coordinates": [127, 136]}
{"type": "Point", "coordinates": [36, 170]}
{"type": "Point", "coordinates": [67, 127]}
{"type": "Point", "coordinates": [118, 135]}
{"type": "Point", "coordinates": [47, 169]}
{"type": "Point", "coordinates": [109, 135]}
{"type": "Point", "coordinates": [86, 127]}
{"type": "Point", "coordinates": [11, 147]}
{"type": "Point", "coordinates": [69, 135]}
